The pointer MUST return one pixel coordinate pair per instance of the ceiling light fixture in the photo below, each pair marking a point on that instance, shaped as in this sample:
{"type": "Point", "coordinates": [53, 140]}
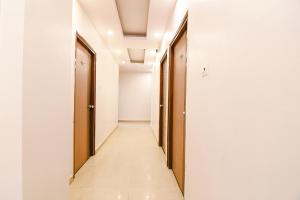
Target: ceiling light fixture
{"type": "Point", "coordinates": [119, 51]}
{"type": "Point", "coordinates": [110, 33]}
{"type": "Point", "coordinates": [123, 62]}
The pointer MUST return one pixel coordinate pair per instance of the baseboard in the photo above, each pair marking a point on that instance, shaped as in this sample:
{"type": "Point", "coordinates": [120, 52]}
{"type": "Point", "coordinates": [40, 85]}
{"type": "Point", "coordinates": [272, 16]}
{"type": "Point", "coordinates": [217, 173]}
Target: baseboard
{"type": "Point", "coordinates": [154, 134]}
{"type": "Point", "coordinates": [105, 140]}
{"type": "Point", "coordinates": [71, 179]}
{"type": "Point", "coordinates": [135, 121]}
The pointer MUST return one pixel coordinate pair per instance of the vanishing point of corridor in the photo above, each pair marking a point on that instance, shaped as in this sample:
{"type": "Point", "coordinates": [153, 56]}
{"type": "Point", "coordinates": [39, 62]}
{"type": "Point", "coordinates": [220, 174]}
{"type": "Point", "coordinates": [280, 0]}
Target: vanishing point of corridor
{"type": "Point", "coordinates": [129, 166]}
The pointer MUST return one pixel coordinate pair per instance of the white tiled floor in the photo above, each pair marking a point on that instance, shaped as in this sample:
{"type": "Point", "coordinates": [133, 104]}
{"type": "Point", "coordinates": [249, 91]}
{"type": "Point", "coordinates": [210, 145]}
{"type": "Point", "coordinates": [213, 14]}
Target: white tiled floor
{"type": "Point", "coordinates": [130, 166]}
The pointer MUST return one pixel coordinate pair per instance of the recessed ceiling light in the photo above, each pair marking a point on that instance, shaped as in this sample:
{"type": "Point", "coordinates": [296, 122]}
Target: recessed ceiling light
{"type": "Point", "coordinates": [123, 62]}
{"type": "Point", "coordinates": [119, 51]}
{"type": "Point", "coordinates": [110, 33]}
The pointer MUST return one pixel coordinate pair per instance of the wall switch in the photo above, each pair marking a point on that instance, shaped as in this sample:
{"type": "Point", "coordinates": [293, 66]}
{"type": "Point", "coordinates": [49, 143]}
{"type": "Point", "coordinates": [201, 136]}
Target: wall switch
{"type": "Point", "coordinates": [204, 72]}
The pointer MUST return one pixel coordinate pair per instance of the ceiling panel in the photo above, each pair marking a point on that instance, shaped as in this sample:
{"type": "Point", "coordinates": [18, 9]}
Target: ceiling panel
{"type": "Point", "coordinates": [137, 55]}
{"type": "Point", "coordinates": [133, 16]}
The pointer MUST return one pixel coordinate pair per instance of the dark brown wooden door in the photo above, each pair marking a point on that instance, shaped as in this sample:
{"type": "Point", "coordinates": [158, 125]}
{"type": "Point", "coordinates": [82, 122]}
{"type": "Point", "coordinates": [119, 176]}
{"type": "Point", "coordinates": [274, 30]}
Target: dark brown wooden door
{"type": "Point", "coordinates": [82, 111]}
{"type": "Point", "coordinates": [164, 105]}
{"type": "Point", "coordinates": [178, 116]}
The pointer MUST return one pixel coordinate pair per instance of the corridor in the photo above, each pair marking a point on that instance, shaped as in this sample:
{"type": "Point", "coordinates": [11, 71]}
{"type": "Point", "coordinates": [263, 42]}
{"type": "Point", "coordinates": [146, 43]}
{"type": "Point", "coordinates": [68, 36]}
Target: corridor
{"type": "Point", "coordinates": [150, 100]}
{"type": "Point", "coordinates": [129, 166]}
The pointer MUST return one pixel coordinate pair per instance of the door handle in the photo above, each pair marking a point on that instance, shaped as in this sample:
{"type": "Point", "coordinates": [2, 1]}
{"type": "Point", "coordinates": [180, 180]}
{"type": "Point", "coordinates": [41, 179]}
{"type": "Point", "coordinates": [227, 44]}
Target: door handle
{"type": "Point", "coordinates": [161, 106]}
{"type": "Point", "coordinates": [183, 113]}
{"type": "Point", "coordinates": [91, 106]}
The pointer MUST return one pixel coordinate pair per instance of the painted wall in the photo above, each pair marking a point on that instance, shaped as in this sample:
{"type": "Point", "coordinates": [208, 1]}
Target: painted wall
{"type": "Point", "coordinates": [245, 113]}
{"type": "Point", "coordinates": [47, 115]}
{"type": "Point", "coordinates": [11, 55]}
{"type": "Point", "coordinates": [37, 88]}
{"type": "Point", "coordinates": [243, 126]}
{"type": "Point", "coordinates": [107, 83]}
{"type": "Point", "coordinates": [135, 96]}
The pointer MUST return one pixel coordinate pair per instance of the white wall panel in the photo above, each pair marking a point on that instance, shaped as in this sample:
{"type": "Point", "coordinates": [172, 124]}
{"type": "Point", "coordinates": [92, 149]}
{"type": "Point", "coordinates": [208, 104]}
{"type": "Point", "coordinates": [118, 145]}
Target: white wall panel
{"type": "Point", "coordinates": [11, 67]}
{"type": "Point", "coordinates": [135, 96]}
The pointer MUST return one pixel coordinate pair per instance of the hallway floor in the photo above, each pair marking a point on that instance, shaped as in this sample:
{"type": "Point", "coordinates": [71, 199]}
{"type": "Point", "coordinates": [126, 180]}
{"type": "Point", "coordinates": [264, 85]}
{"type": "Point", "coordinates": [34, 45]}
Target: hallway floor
{"type": "Point", "coordinates": [129, 166]}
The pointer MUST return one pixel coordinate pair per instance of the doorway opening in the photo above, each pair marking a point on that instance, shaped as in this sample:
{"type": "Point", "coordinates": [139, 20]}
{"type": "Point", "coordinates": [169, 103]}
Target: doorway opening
{"type": "Point", "coordinates": [84, 103]}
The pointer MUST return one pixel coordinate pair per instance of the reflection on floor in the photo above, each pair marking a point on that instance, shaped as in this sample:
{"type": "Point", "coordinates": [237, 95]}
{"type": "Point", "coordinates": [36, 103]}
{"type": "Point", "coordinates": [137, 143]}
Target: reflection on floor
{"type": "Point", "coordinates": [130, 166]}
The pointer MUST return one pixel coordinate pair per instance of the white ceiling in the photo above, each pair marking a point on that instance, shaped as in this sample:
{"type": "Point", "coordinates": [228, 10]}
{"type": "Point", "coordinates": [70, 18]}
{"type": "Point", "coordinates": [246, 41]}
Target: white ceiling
{"type": "Point", "coordinates": [104, 15]}
{"type": "Point", "coordinates": [135, 67]}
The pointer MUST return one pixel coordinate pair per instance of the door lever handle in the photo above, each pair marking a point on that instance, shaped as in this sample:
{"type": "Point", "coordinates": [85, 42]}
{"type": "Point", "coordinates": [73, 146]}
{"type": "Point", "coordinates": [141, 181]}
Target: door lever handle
{"type": "Point", "coordinates": [91, 106]}
{"type": "Point", "coordinates": [161, 106]}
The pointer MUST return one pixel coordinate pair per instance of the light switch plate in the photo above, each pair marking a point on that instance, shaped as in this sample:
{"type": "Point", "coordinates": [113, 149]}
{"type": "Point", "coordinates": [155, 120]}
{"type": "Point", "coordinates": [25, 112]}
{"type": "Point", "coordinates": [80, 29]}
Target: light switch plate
{"type": "Point", "coordinates": [204, 71]}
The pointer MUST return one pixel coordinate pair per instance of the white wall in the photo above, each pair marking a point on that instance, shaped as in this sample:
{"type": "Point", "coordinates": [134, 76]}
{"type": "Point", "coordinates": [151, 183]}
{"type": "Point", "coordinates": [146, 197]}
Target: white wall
{"type": "Point", "coordinates": [248, 105]}
{"type": "Point", "coordinates": [37, 87]}
{"type": "Point", "coordinates": [107, 81]}
{"type": "Point", "coordinates": [11, 55]}
{"type": "Point", "coordinates": [47, 117]}
{"type": "Point", "coordinates": [135, 96]}
{"type": "Point", "coordinates": [243, 125]}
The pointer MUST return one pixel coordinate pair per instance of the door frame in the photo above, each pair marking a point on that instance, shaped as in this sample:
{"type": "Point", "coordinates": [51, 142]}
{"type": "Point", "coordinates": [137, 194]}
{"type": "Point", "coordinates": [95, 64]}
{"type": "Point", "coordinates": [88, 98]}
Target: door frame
{"type": "Point", "coordinates": [85, 44]}
{"type": "Point", "coordinates": [161, 99]}
{"type": "Point", "coordinates": [181, 30]}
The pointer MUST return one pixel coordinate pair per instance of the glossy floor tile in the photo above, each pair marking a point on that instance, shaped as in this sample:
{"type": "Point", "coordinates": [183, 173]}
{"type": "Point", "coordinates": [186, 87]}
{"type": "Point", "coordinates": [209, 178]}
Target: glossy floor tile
{"type": "Point", "coordinates": [129, 166]}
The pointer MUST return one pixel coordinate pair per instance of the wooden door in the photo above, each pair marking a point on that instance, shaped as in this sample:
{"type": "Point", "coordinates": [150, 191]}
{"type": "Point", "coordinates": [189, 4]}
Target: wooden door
{"type": "Point", "coordinates": [82, 102]}
{"type": "Point", "coordinates": [178, 111]}
{"type": "Point", "coordinates": [164, 105]}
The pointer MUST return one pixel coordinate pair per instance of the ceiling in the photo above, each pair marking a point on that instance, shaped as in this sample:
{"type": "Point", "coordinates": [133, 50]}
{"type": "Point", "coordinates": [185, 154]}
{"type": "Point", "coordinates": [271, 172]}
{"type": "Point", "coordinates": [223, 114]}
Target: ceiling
{"type": "Point", "coordinates": [132, 29]}
{"type": "Point", "coordinates": [135, 67]}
